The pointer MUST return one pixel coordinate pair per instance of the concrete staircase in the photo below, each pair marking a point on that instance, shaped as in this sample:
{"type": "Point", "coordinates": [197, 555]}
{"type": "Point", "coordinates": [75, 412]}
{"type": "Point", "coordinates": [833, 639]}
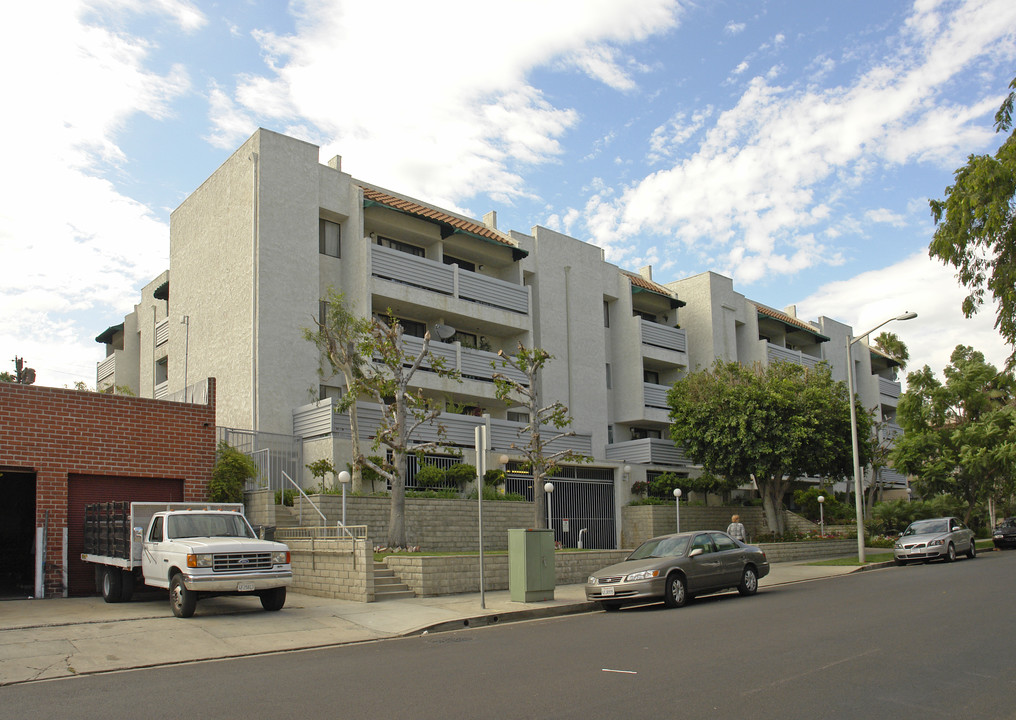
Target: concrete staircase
{"type": "Point", "coordinates": [388, 585]}
{"type": "Point", "coordinates": [286, 517]}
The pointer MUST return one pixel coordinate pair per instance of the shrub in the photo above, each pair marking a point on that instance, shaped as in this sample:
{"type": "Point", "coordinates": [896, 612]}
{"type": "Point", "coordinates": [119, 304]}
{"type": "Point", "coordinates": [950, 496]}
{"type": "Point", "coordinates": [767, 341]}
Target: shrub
{"type": "Point", "coordinates": [461, 474]}
{"type": "Point", "coordinates": [285, 497]}
{"type": "Point", "coordinates": [232, 469]}
{"type": "Point", "coordinates": [430, 476]}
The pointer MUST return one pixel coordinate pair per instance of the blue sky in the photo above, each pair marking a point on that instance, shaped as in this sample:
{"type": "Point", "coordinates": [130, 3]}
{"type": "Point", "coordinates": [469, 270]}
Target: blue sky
{"type": "Point", "coordinates": [792, 146]}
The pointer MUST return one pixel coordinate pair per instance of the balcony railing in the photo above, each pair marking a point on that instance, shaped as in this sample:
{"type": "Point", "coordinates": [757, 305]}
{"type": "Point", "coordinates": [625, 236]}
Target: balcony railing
{"type": "Point", "coordinates": [889, 388]}
{"type": "Point", "coordinates": [664, 336]}
{"type": "Point", "coordinates": [647, 451]}
{"type": "Point", "coordinates": [426, 274]}
{"type": "Point", "coordinates": [655, 396]}
{"type": "Point", "coordinates": [775, 353]}
{"type": "Point", "coordinates": [161, 390]}
{"type": "Point", "coordinates": [162, 332]}
{"type": "Point", "coordinates": [319, 419]}
{"type": "Point", "coordinates": [473, 364]}
{"type": "Point", "coordinates": [105, 368]}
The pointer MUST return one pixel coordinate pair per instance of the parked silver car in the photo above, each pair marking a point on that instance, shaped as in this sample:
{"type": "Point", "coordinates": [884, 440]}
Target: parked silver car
{"type": "Point", "coordinates": [673, 568]}
{"type": "Point", "coordinates": [925, 540]}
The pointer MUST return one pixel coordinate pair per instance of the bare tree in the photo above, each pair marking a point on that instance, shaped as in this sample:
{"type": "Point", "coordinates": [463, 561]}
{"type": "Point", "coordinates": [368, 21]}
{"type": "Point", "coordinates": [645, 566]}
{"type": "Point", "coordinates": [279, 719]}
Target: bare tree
{"type": "Point", "coordinates": [529, 362]}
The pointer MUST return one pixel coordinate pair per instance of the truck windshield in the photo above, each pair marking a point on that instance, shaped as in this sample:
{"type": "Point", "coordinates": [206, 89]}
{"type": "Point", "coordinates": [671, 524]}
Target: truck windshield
{"type": "Point", "coordinates": [206, 525]}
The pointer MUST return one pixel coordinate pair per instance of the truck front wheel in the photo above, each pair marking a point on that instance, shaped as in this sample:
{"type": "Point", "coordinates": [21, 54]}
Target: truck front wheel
{"type": "Point", "coordinates": [182, 600]}
{"type": "Point", "coordinates": [273, 599]}
{"type": "Point", "coordinates": [111, 584]}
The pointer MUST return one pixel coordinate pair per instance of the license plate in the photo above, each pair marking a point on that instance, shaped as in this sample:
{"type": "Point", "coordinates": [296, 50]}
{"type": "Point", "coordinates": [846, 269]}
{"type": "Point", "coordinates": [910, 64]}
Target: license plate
{"type": "Point", "coordinates": [245, 587]}
{"type": "Point", "coordinates": [607, 592]}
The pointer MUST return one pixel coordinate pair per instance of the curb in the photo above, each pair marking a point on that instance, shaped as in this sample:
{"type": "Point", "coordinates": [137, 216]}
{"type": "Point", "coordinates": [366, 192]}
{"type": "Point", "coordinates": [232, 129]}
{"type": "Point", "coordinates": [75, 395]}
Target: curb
{"type": "Point", "coordinates": [504, 618]}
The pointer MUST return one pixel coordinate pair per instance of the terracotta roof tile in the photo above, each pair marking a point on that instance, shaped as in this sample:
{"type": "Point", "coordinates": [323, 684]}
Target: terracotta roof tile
{"type": "Point", "coordinates": [639, 281]}
{"type": "Point", "coordinates": [413, 208]}
{"type": "Point", "coordinates": [786, 319]}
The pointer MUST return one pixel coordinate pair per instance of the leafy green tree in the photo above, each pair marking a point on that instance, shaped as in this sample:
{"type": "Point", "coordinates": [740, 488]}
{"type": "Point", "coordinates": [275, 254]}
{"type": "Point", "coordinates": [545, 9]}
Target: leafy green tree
{"type": "Point", "coordinates": [976, 228]}
{"type": "Point", "coordinates": [232, 469]}
{"type": "Point", "coordinates": [321, 469]}
{"type": "Point", "coordinates": [960, 436]}
{"type": "Point", "coordinates": [769, 425]}
{"type": "Point", "coordinates": [538, 457]}
{"type": "Point", "coordinates": [895, 348]}
{"type": "Point", "coordinates": [7, 377]}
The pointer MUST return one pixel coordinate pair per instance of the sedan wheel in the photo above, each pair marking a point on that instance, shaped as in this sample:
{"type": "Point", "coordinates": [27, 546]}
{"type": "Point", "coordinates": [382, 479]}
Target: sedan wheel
{"type": "Point", "coordinates": [950, 553]}
{"type": "Point", "coordinates": [972, 552]}
{"type": "Point", "coordinates": [749, 582]}
{"type": "Point", "coordinates": [676, 593]}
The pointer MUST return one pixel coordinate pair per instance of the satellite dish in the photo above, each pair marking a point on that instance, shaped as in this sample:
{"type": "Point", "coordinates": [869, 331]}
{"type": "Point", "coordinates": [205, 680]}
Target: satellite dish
{"type": "Point", "coordinates": [444, 331]}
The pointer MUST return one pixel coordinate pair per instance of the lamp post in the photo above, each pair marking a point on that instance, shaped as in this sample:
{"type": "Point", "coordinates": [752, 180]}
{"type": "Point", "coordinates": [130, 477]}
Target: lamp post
{"type": "Point", "coordinates": [677, 505]}
{"type": "Point", "coordinates": [344, 480]}
{"type": "Point", "coordinates": [858, 502]}
{"type": "Point", "coordinates": [549, 489]}
{"type": "Point", "coordinates": [821, 516]}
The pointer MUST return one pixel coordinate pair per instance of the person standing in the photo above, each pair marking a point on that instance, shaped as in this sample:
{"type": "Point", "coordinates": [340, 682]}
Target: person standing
{"type": "Point", "coordinates": [736, 530]}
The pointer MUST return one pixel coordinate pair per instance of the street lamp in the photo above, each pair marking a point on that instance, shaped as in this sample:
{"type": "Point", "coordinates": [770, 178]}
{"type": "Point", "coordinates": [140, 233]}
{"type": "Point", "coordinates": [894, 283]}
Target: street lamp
{"type": "Point", "coordinates": [549, 489]}
{"type": "Point", "coordinates": [677, 505]}
{"type": "Point", "coordinates": [344, 480]}
{"type": "Point", "coordinates": [858, 505]}
{"type": "Point", "coordinates": [821, 516]}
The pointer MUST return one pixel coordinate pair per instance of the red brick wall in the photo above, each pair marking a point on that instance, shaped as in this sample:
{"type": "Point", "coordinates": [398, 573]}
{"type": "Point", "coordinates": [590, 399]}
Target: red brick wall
{"type": "Point", "coordinates": [58, 432]}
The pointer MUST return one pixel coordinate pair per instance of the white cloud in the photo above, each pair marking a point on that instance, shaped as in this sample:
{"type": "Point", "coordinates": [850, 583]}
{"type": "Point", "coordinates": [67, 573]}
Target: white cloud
{"type": "Point", "coordinates": [71, 241]}
{"type": "Point", "coordinates": [399, 111]}
{"type": "Point", "coordinates": [924, 286]}
{"type": "Point", "coordinates": [734, 28]}
{"type": "Point", "coordinates": [886, 217]}
{"type": "Point", "coordinates": [751, 189]}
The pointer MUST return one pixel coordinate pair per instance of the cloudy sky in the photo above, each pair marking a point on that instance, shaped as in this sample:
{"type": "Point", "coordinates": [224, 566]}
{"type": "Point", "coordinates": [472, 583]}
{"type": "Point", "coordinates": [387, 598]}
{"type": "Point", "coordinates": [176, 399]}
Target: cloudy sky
{"type": "Point", "coordinates": [792, 146]}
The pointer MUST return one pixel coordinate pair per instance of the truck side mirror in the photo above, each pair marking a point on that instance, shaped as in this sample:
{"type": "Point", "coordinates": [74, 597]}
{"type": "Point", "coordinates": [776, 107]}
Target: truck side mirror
{"type": "Point", "coordinates": [139, 533]}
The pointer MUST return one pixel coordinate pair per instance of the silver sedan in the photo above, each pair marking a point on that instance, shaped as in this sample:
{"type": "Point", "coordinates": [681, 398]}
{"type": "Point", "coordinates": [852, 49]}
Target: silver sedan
{"type": "Point", "coordinates": [673, 568]}
{"type": "Point", "coordinates": [925, 540]}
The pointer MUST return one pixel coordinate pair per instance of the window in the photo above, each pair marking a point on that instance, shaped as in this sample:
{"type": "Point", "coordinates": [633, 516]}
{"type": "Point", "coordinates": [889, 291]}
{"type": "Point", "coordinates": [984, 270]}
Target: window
{"type": "Point", "coordinates": [723, 542]}
{"type": "Point", "coordinates": [515, 416]}
{"type": "Point", "coordinates": [322, 311]}
{"type": "Point", "coordinates": [155, 534]}
{"type": "Point", "coordinates": [329, 238]}
{"type": "Point", "coordinates": [409, 327]}
{"type": "Point", "coordinates": [401, 246]}
{"type": "Point", "coordinates": [651, 376]}
{"type": "Point", "coordinates": [162, 371]}
{"type": "Point", "coordinates": [644, 315]}
{"type": "Point", "coordinates": [609, 379]}
{"type": "Point", "coordinates": [463, 264]}
{"type": "Point", "coordinates": [326, 392]}
{"type": "Point", "coordinates": [606, 314]}
{"type": "Point", "coordinates": [610, 434]}
{"type": "Point", "coordinates": [643, 433]}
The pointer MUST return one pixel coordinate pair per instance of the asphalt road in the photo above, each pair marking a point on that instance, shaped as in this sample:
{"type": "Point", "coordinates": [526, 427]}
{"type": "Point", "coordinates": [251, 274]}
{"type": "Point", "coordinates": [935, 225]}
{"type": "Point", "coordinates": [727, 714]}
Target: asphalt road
{"type": "Point", "coordinates": [925, 641]}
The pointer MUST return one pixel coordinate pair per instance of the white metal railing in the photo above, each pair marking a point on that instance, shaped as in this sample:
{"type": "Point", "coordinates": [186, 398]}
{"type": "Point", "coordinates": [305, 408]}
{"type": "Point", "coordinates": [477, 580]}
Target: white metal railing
{"type": "Point", "coordinates": [161, 390]}
{"type": "Point", "coordinates": [324, 532]}
{"type": "Point", "coordinates": [303, 495]}
{"type": "Point", "coordinates": [775, 353]}
{"type": "Point", "coordinates": [426, 274]}
{"type": "Point", "coordinates": [664, 336]}
{"type": "Point", "coordinates": [105, 368]}
{"type": "Point", "coordinates": [161, 332]}
{"type": "Point", "coordinates": [647, 451]}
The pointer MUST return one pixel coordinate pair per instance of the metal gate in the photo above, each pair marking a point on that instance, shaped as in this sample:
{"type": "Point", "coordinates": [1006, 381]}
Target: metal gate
{"type": "Point", "coordinates": [274, 455]}
{"type": "Point", "coordinates": [584, 496]}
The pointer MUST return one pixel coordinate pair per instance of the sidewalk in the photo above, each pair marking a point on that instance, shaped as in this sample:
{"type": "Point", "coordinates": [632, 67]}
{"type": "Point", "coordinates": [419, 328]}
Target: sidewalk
{"type": "Point", "coordinates": [63, 637]}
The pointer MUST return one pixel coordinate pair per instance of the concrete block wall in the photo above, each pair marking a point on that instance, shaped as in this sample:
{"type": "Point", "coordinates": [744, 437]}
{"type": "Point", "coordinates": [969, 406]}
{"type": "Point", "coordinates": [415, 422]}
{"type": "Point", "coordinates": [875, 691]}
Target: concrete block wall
{"type": "Point", "coordinates": [808, 550]}
{"type": "Point", "coordinates": [329, 568]}
{"type": "Point", "coordinates": [641, 522]}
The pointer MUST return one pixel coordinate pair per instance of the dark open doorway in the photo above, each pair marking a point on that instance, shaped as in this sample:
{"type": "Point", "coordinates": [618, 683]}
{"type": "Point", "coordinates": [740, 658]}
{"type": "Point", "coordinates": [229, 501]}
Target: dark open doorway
{"type": "Point", "coordinates": [17, 534]}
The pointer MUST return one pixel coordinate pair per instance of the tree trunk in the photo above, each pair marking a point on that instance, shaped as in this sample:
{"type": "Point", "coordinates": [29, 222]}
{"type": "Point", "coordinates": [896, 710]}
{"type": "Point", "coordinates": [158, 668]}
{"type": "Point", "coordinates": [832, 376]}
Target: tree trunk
{"type": "Point", "coordinates": [354, 433]}
{"type": "Point", "coordinates": [397, 516]}
{"type": "Point", "coordinates": [539, 499]}
{"type": "Point", "coordinates": [772, 503]}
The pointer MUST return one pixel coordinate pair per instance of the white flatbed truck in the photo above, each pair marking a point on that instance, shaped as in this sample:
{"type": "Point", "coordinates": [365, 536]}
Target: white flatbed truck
{"type": "Point", "coordinates": [194, 550]}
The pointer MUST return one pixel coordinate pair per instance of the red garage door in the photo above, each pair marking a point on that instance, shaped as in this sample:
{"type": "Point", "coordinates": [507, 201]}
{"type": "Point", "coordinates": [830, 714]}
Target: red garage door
{"type": "Point", "coordinates": [84, 489]}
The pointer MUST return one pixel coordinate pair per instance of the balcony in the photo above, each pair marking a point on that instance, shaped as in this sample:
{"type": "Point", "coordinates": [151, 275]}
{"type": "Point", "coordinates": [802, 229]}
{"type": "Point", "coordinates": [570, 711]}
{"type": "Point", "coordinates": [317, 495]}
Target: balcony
{"type": "Point", "coordinates": [400, 267]}
{"type": "Point", "coordinates": [162, 332]}
{"type": "Point", "coordinates": [775, 353]}
{"type": "Point", "coordinates": [664, 336]}
{"type": "Point", "coordinates": [889, 388]}
{"type": "Point", "coordinates": [161, 390]}
{"type": "Point", "coordinates": [105, 368]}
{"type": "Point", "coordinates": [655, 396]}
{"type": "Point", "coordinates": [473, 364]}
{"type": "Point", "coordinates": [647, 451]}
{"type": "Point", "coordinates": [319, 419]}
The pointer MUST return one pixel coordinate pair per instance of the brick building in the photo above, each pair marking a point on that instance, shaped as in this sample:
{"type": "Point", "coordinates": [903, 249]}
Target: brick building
{"type": "Point", "coordinates": [60, 449]}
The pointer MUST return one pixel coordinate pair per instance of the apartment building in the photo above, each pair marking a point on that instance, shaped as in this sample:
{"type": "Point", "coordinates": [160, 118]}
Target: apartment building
{"type": "Point", "coordinates": [256, 248]}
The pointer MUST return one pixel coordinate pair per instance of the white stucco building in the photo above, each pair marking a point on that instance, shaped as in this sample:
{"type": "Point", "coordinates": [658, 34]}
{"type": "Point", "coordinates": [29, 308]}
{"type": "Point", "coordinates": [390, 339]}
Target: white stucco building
{"type": "Point", "coordinates": [255, 249]}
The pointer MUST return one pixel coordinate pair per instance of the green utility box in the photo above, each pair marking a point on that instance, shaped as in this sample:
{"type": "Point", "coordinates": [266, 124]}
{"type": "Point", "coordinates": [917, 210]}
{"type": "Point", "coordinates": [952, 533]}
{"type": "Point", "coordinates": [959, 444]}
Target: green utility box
{"type": "Point", "coordinates": [531, 571]}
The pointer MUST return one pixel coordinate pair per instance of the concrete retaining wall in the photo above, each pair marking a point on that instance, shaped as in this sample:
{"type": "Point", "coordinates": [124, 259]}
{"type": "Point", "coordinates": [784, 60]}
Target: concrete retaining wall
{"type": "Point", "coordinates": [641, 522]}
{"type": "Point", "coordinates": [338, 569]}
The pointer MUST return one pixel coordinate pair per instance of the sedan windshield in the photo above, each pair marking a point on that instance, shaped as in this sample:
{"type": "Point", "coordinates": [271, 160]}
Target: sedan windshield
{"type": "Point", "coordinates": [210, 525]}
{"type": "Point", "coordinates": [660, 547]}
{"type": "Point", "coordinates": [927, 527]}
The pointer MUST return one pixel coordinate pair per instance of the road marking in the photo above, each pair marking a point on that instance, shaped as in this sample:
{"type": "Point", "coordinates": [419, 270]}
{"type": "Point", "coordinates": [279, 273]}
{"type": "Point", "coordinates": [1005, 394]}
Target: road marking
{"type": "Point", "coordinates": [624, 672]}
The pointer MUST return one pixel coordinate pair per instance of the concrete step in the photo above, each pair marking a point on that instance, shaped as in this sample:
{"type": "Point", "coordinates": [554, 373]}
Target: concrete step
{"type": "Point", "coordinates": [388, 585]}
{"type": "Point", "coordinates": [286, 517]}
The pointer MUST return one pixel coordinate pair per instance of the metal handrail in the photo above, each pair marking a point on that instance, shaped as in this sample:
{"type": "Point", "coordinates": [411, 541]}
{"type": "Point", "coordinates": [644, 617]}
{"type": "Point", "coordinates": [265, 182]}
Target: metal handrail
{"type": "Point", "coordinates": [304, 496]}
{"type": "Point", "coordinates": [353, 532]}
